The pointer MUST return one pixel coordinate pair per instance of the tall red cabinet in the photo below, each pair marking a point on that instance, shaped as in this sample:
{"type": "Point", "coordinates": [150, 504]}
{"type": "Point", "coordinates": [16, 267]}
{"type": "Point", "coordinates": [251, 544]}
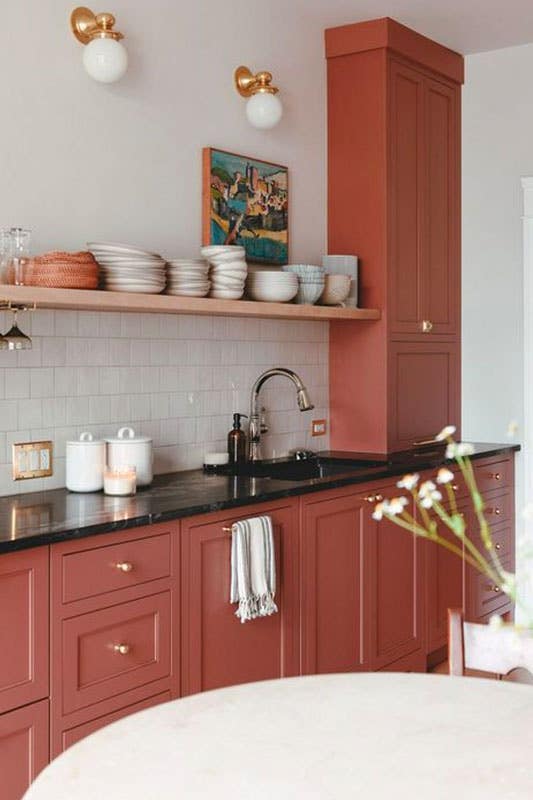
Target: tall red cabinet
{"type": "Point", "coordinates": [394, 200]}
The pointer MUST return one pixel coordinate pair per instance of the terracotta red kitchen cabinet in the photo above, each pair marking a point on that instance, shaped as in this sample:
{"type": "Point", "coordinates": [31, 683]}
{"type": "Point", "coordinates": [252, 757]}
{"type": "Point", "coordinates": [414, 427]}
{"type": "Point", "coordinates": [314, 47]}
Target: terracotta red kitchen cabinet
{"type": "Point", "coordinates": [396, 611]}
{"type": "Point", "coordinates": [335, 582]}
{"type": "Point", "coordinates": [424, 390]}
{"type": "Point", "coordinates": [115, 627]}
{"type": "Point", "coordinates": [23, 748]}
{"type": "Point", "coordinates": [23, 627]}
{"type": "Point", "coordinates": [218, 650]}
{"type": "Point", "coordinates": [394, 200]}
{"type": "Point", "coordinates": [362, 585]}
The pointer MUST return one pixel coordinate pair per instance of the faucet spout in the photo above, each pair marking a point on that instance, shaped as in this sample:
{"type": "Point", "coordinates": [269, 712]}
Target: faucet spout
{"type": "Point", "coordinates": [302, 398]}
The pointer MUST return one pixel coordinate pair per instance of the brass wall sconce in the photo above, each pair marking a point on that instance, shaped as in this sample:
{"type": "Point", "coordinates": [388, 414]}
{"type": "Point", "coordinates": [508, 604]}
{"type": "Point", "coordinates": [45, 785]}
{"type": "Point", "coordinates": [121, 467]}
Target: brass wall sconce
{"type": "Point", "coordinates": [264, 109]}
{"type": "Point", "coordinates": [104, 58]}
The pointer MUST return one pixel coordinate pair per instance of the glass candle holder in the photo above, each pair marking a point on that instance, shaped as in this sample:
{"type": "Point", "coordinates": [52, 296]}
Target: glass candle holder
{"type": "Point", "coordinates": [120, 481]}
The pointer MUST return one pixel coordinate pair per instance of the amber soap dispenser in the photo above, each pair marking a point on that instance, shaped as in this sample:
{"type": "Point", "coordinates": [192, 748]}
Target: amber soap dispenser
{"type": "Point", "coordinates": [237, 441]}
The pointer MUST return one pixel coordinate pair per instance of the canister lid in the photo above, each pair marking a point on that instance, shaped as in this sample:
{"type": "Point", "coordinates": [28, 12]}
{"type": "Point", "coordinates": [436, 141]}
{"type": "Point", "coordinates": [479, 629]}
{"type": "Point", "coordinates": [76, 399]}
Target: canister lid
{"type": "Point", "coordinates": [127, 434]}
{"type": "Point", "coordinates": [85, 439]}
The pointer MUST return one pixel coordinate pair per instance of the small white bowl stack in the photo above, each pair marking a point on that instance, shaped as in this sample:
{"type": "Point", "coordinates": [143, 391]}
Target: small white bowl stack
{"type": "Point", "coordinates": [187, 277]}
{"type": "Point", "coordinates": [129, 269]}
{"type": "Point", "coordinates": [310, 282]}
{"type": "Point", "coordinates": [228, 271]}
{"type": "Point", "coordinates": [269, 286]}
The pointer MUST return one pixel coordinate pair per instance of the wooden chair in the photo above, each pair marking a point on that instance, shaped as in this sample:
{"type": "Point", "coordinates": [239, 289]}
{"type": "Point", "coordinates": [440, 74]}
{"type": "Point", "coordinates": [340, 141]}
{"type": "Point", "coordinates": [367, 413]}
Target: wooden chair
{"type": "Point", "coordinates": [504, 652]}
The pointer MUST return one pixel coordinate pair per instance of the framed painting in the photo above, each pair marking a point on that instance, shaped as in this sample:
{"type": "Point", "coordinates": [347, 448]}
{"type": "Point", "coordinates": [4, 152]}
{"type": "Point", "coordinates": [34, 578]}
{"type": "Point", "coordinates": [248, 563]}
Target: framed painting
{"type": "Point", "coordinates": [245, 201]}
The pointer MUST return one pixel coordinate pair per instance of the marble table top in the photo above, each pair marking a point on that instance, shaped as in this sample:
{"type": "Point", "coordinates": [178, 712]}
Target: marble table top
{"type": "Point", "coordinates": [366, 735]}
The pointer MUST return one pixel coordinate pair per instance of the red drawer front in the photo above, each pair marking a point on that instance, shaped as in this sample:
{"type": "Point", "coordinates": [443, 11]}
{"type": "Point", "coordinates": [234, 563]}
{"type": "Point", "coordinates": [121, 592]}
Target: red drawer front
{"type": "Point", "coordinates": [23, 748]}
{"type": "Point", "coordinates": [494, 475]}
{"type": "Point", "coordinates": [74, 735]}
{"type": "Point", "coordinates": [23, 627]}
{"type": "Point", "coordinates": [115, 649]}
{"type": "Point", "coordinates": [485, 596]}
{"type": "Point", "coordinates": [99, 570]}
{"type": "Point", "coordinates": [502, 539]}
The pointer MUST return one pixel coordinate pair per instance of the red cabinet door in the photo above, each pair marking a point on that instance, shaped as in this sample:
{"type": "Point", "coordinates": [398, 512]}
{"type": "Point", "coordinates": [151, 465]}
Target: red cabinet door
{"type": "Point", "coordinates": [396, 595]}
{"type": "Point", "coordinates": [444, 586]}
{"type": "Point", "coordinates": [405, 197]}
{"type": "Point", "coordinates": [440, 243]}
{"type": "Point", "coordinates": [23, 627]}
{"type": "Point", "coordinates": [23, 748]}
{"type": "Point", "coordinates": [334, 613]}
{"type": "Point", "coordinates": [424, 390]}
{"type": "Point", "coordinates": [217, 649]}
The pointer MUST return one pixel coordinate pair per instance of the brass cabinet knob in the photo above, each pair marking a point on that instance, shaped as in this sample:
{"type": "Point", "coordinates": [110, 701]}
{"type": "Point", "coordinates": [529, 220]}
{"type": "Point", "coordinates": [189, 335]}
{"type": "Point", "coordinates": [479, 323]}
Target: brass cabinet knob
{"type": "Point", "coordinates": [427, 326]}
{"type": "Point", "coordinates": [496, 589]}
{"type": "Point", "coordinates": [496, 476]}
{"type": "Point", "coordinates": [493, 511]}
{"type": "Point", "coordinates": [455, 487]}
{"type": "Point", "coordinates": [370, 498]}
{"type": "Point", "coordinates": [379, 498]}
{"type": "Point", "coordinates": [124, 566]}
{"type": "Point", "coordinates": [122, 649]}
{"type": "Point", "coordinates": [497, 546]}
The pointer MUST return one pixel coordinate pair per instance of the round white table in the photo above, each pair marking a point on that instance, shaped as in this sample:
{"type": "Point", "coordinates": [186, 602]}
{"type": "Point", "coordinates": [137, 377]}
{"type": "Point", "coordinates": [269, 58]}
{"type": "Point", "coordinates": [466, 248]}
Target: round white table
{"type": "Point", "coordinates": [369, 735]}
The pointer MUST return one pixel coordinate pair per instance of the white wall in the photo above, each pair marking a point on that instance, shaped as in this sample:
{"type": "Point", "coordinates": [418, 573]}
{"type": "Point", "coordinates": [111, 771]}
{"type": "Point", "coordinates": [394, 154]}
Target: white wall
{"type": "Point", "coordinates": [82, 161]}
{"type": "Point", "coordinates": [497, 152]}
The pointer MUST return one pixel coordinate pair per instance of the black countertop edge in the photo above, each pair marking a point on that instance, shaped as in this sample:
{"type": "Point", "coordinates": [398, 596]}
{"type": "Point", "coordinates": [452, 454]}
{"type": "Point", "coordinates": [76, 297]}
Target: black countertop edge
{"type": "Point", "coordinates": [42, 518]}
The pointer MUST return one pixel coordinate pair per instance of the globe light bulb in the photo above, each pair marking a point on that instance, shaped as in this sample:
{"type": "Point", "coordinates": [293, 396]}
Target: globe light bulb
{"type": "Point", "coordinates": [264, 110]}
{"type": "Point", "coordinates": [105, 59]}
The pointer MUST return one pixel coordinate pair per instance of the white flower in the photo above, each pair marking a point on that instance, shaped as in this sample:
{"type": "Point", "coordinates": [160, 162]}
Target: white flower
{"type": "Point", "coordinates": [397, 505]}
{"type": "Point", "coordinates": [445, 433]}
{"type": "Point", "coordinates": [512, 428]}
{"type": "Point", "coordinates": [444, 475]}
{"type": "Point", "coordinates": [379, 510]}
{"type": "Point", "coordinates": [459, 449]}
{"type": "Point", "coordinates": [496, 622]}
{"type": "Point", "coordinates": [428, 494]}
{"type": "Point", "coordinates": [408, 481]}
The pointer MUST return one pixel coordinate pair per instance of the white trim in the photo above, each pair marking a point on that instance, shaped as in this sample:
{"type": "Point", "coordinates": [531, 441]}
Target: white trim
{"type": "Point", "coordinates": [526, 526]}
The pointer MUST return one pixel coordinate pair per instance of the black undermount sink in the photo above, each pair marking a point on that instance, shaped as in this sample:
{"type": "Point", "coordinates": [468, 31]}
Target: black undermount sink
{"type": "Point", "coordinates": [304, 470]}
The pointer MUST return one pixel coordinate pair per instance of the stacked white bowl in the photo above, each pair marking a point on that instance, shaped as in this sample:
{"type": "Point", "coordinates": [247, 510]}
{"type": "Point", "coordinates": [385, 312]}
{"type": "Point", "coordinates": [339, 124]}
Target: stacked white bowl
{"type": "Point", "coordinates": [271, 286]}
{"type": "Point", "coordinates": [228, 270]}
{"type": "Point", "coordinates": [187, 277]}
{"type": "Point", "coordinates": [129, 269]}
{"type": "Point", "coordinates": [311, 281]}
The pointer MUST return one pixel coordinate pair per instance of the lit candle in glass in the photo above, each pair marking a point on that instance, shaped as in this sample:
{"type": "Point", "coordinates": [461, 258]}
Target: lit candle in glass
{"type": "Point", "coordinates": [120, 481]}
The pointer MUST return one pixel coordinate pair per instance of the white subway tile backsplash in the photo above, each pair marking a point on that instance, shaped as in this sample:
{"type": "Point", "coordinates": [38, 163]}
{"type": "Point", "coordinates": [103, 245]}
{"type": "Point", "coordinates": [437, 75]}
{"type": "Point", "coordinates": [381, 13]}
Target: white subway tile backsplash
{"type": "Point", "coordinates": [175, 378]}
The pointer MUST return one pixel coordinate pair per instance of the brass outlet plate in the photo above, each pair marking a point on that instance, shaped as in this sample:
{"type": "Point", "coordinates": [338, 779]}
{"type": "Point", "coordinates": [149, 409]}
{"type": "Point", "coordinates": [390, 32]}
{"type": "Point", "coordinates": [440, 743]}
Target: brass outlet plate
{"type": "Point", "coordinates": [33, 460]}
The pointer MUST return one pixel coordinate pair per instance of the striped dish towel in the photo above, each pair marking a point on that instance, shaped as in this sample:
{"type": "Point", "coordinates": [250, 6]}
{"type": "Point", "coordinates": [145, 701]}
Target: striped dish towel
{"type": "Point", "coordinates": [253, 568]}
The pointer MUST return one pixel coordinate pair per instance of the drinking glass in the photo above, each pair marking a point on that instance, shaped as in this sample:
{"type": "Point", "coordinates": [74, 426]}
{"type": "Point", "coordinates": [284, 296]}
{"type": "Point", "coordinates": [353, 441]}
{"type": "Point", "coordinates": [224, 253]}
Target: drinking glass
{"type": "Point", "coordinates": [20, 253]}
{"type": "Point", "coordinates": [6, 252]}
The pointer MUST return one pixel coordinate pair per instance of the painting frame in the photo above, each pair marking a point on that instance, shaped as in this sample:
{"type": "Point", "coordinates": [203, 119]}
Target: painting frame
{"type": "Point", "coordinates": [268, 244]}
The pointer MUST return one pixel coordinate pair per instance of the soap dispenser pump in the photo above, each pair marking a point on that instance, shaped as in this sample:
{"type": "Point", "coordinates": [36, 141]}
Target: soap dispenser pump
{"type": "Point", "coordinates": [237, 441]}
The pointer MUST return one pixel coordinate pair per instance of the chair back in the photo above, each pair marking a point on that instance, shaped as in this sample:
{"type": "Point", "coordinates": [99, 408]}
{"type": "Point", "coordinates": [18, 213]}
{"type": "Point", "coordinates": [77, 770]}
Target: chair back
{"type": "Point", "coordinates": [506, 652]}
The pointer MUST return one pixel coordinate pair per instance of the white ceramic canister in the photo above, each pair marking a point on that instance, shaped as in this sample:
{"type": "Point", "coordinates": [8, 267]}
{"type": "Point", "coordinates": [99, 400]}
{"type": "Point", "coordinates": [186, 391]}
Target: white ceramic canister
{"type": "Point", "coordinates": [85, 464]}
{"type": "Point", "coordinates": [126, 449]}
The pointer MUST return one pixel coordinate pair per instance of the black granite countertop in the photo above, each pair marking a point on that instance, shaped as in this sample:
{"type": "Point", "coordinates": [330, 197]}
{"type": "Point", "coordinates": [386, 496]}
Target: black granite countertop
{"type": "Point", "coordinates": [41, 518]}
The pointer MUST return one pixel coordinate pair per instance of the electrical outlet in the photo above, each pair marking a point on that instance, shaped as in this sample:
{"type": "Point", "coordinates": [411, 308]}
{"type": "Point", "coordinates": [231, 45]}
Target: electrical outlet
{"type": "Point", "coordinates": [32, 460]}
{"type": "Point", "coordinates": [319, 427]}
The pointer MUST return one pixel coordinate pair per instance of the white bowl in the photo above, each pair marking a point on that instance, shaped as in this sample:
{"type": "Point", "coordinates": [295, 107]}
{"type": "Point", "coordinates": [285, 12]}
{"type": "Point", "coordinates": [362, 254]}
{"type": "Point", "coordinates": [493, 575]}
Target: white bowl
{"type": "Point", "coordinates": [215, 250]}
{"type": "Point", "coordinates": [272, 294]}
{"type": "Point", "coordinates": [226, 294]}
{"type": "Point", "coordinates": [305, 270]}
{"type": "Point", "coordinates": [181, 292]}
{"type": "Point", "coordinates": [308, 293]}
{"type": "Point", "coordinates": [336, 290]}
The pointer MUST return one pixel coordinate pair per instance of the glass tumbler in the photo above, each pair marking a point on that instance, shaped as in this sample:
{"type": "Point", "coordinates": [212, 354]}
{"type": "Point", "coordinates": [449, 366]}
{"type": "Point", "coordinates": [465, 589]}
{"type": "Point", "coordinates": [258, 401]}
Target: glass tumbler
{"type": "Point", "coordinates": [6, 253]}
{"type": "Point", "coordinates": [20, 253]}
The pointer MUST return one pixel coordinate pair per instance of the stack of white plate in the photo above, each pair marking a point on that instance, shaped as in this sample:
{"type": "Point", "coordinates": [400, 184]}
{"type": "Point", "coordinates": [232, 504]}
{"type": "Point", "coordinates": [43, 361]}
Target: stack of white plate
{"type": "Point", "coordinates": [129, 269]}
{"type": "Point", "coordinates": [271, 286]}
{"type": "Point", "coordinates": [228, 271]}
{"type": "Point", "coordinates": [187, 277]}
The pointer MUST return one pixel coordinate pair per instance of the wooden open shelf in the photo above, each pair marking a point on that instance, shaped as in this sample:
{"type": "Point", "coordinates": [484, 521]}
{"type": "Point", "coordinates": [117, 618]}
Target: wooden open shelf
{"type": "Point", "coordinates": [89, 300]}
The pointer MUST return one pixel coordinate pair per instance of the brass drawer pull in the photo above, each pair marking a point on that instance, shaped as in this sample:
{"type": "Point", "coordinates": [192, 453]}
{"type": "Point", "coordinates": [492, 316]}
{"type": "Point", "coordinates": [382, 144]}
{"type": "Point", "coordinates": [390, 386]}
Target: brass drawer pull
{"type": "Point", "coordinates": [494, 511]}
{"type": "Point", "coordinates": [496, 589]}
{"type": "Point", "coordinates": [122, 649]}
{"type": "Point", "coordinates": [496, 476]}
{"type": "Point", "coordinates": [124, 566]}
{"type": "Point", "coordinates": [497, 546]}
{"type": "Point", "coordinates": [374, 498]}
{"type": "Point", "coordinates": [427, 326]}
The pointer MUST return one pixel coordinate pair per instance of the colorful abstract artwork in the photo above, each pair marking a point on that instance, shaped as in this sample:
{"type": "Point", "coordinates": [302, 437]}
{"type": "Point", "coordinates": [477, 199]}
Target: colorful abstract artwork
{"type": "Point", "coordinates": [246, 202]}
